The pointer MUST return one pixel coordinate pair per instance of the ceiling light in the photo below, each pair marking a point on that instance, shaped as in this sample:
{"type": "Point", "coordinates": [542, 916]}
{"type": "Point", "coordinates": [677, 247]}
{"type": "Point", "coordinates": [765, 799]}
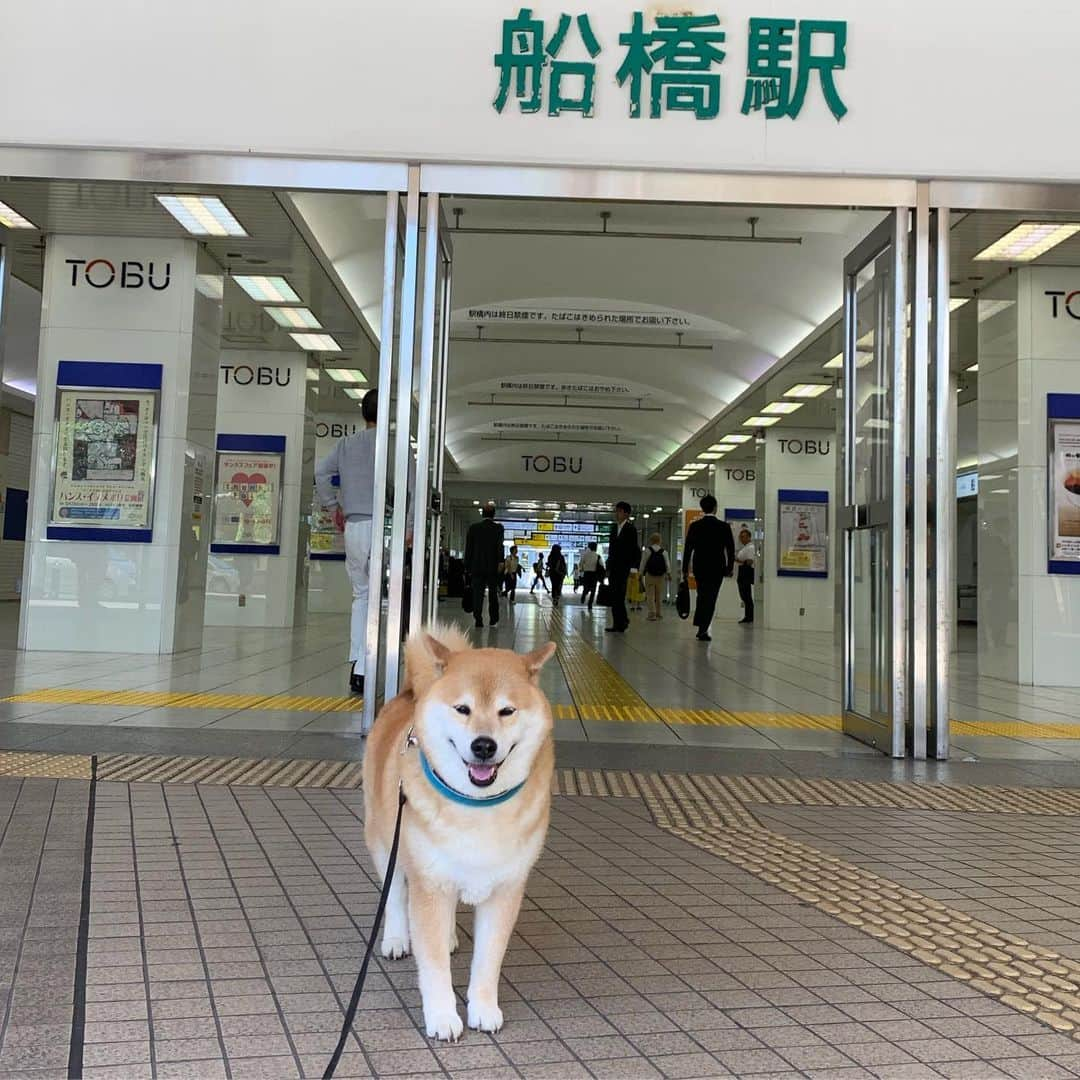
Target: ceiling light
{"type": "Point", "coordinates": [736, 439]}
{"type": "Point", "coordinates": [202, 215]}
{"type": "Point", "coordinates": [807, 390]}
{"type": "Point", "coordinates": [316, 343]}
{"type": "Point", "coordinates": [761, 421]}
{"type": "Point", "coordinates": [708, 455]}
{"type": "Point", "coordinates": [677, 476]}
{"type": "Point", "coordinates": [692, 466]}
{"type": "Point", "coordinates": [1028, 241]}
{"type": "Point", "coordinates": [212, 286]}
{"type": "Point", "coordinates": [341, 375]}
{"type": "Point", "coordinates": [657, 509]}
{"type": "Point", "coordinates": [957, 302]}
{"type": "Point", "coordinates": [298, 317]}
{"type": "Point", "coordinates": [782, 408]}
{"type": "Point", "coordinates": [267, 290]}
{"type": "Point", "coordinates": [354, 392]}
{"type": "Point", "coordinates": [13, 219]}
{"type": "Point", "coordinates": [974, 367]}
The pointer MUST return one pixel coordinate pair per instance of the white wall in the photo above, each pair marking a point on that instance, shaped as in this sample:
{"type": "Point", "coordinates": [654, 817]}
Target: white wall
{"type": "Point", "coordinates": [144, 93]}
{"type": "Point", "coordinates": [268, 583]}
{"type": "Point", "coordinates": [796, 603]}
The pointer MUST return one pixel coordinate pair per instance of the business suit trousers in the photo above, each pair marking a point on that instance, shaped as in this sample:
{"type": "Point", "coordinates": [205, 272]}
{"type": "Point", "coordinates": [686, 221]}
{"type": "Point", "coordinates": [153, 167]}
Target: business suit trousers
{"type": "Point", "coordinates": [617, 580]}
{"type": "Point", "coordinates": [707, 592]}
{"type": "Point", "coordinates": [490, 583]}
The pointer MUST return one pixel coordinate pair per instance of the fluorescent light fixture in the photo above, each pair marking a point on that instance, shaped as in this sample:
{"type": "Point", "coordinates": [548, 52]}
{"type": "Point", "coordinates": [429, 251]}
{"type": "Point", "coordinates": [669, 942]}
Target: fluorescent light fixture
{"type": "Point", "coordinates": [863, 356]}
{"type": "Point", "coordinates": [1028, 241]}
{"type": "Point", "coordinates": [202, 215]}
{"type": "Point", "coordinates": [836, 362]}
{"type": "Point", "coordinates": [736, 440]}
{"type": "Point", "coordinates": [354, 392]}
{"type": "Point", "coordinates": [693, 466]}
{"type": "Point", "coordinates": [974, 367]}
{"type": "Point", "coordinates": [807, 390]}
{"type": "Point", "coordinates": [989, 308]}
{"type": "Point", "coordinates": [676, 476]}
{"type": "Point", "coordinates": [316, 343]}
{"type": "Point", "coordinates": [345, 375]}
{"type": "Point", "coordinates": [760, 421]}
{"type": "Point", "coordinates": [267, 290]}
{"type": "Point", "coordinates": [312, 374]}
{"type": "Point", "coordinates": [212, 286]}
{"type": "Point", "coordinates": [299, 318]}
{"type": "Point", "coordinates": [957, 302]}
{"type": "Point", "coordinates": [708, 455]}
{"type": "Point", "coordinates": [13, 219]}
{"type": "Point", "coordinates": [657, 509]}
{"type": "Point", "coordinates": [782, 408]}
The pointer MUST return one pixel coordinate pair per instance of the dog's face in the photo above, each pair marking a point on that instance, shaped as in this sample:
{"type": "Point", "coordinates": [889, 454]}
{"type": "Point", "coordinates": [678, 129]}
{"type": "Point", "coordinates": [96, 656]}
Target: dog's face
{"type": "Point", "coordinates": [483, 720]}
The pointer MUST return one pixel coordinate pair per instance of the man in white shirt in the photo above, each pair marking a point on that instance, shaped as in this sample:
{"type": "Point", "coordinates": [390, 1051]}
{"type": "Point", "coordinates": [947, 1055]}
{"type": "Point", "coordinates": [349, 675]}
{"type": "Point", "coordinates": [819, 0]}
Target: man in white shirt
{"type": "Point", "coordinates": [589, 565]}
{"type": "Point", "coordinates": [745, 560]}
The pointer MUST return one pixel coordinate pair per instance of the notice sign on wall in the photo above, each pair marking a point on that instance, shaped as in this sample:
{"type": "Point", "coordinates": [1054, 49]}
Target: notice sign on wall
{"type": "Point", "coordinates": [1063, 497]}
{"type": "Point", "coordinates": [104, 471]}
{"type": "Point", "coordinates": [247, 494]}
{"type": "Point", "coordinates": [803, 549]}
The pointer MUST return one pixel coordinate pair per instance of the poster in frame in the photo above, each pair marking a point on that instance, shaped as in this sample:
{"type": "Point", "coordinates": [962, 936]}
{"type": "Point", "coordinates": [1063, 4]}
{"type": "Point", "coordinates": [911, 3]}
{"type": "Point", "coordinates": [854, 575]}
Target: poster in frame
{"type": "Point", "coordinates": [802, 534]}
{"type": "Point", "coordinates": [248, 478]}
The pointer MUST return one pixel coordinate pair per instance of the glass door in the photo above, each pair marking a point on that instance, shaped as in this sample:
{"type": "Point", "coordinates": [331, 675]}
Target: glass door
{"type": "Point", "coordinates": [874, 488]}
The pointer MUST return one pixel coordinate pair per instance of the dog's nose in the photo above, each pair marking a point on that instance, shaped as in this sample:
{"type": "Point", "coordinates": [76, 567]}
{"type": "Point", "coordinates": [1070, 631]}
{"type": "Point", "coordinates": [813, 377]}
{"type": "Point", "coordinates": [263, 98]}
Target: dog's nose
{"type": "Point", "coordinates": [483, 748]}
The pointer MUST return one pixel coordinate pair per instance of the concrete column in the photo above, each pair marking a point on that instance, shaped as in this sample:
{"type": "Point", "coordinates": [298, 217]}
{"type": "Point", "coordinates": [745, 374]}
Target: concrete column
{"type": "Point", "coordinates": [1029, 347]}
{"type": "Point", "coordinates": [111, 302]}
{"type": "Point", "coordinates": [801, 460]}
{"type": "Point", "coordinates": [263, 393]}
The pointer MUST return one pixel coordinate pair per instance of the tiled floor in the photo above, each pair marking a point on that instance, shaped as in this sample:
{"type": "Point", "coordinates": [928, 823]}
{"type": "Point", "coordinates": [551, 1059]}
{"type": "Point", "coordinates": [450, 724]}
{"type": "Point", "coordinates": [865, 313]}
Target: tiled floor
{"type": "Point", "coordinates": [279, 692]}
{"type": "Point", "coordinates": [226, 925]}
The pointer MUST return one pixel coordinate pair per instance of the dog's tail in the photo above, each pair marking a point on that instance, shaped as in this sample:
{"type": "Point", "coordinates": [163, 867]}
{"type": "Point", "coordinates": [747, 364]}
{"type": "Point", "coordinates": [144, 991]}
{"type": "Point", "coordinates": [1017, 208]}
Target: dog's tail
{"type": "Point", "coordinates": [423, 664]}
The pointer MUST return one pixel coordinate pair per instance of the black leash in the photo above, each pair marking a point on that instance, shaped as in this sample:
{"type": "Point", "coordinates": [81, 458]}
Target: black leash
{"type": "Point", "coordinates": [358, 989]}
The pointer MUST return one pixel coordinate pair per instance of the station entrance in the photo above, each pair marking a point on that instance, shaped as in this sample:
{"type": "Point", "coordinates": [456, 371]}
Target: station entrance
{"type": "Point", "coordinates": [551, 350]}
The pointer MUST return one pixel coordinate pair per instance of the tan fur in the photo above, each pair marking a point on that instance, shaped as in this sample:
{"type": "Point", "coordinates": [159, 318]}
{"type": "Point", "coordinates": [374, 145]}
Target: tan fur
{"type": "Point", "coordinates": [449, 852]}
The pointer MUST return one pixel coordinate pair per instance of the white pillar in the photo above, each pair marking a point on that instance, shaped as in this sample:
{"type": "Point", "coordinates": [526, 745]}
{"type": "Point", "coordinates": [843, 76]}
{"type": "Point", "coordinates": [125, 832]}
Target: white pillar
{"type": "Point", "coordinates": [261, 395]}
{"type": "Point", "coordinates": [1029, 348]}
{"type": "Point", "coordinates": [797, 461]}
{"type": "Point", "coordinates": [124, 318]}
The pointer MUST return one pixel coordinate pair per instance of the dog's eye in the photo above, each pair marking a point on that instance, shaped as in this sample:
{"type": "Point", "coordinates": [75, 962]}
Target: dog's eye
{"type": "Point", "coordinates": [463, 709]}
{"type": "Point", "coordinates": [507, 710]}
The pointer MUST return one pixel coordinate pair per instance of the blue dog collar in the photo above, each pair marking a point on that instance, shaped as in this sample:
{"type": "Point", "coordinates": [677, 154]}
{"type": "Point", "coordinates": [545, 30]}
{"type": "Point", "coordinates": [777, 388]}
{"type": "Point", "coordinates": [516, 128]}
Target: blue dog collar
{"type": "Point", "coordinates": [443, 788]}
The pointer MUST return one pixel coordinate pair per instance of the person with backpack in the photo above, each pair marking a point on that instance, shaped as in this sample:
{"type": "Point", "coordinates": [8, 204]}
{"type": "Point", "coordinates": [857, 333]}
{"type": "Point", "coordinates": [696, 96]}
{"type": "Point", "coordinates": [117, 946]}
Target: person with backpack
{"type": "Point", "coordinates": [655, 569]}
{"type": "Point", "coordinates": [538, 572]}
{"type": "Point", "coordinates": [556, 569]}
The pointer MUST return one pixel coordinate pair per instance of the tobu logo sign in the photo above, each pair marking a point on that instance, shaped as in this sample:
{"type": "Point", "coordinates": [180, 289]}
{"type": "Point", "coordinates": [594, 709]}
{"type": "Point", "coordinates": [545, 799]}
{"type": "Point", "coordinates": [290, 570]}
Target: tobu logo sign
{"type": "Point", "coordinates": [805, 446]}
{"type": "Point", "coordinates": [1060, 300]}
{"type": "Point", "coordinates": [740, 474]}
{"type": "Point", "coordinates": [324, 430]}
{"type": "Point", "coordinates": [245, 375]}
{"type": "Point", "coordinates": [129, 274]}
{"type": "Point", "coordinates": [557, 463]}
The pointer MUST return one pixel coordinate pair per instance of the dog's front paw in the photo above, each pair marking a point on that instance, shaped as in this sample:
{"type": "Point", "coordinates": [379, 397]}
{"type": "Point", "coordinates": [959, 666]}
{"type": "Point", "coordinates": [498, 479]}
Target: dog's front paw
{"type": "Point", "coordinates": [443, 1024]}
{"type": "Point", "coordinates": [394, 948]}
{"type": "Point", "coordinates": [485, 1017]}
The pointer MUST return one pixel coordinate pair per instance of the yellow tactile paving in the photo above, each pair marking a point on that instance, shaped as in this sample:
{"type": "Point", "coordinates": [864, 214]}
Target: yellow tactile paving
{"type": "Point", "coordinates": [152, 699]}
{"type": "Point", "coordinates": [51, 766]}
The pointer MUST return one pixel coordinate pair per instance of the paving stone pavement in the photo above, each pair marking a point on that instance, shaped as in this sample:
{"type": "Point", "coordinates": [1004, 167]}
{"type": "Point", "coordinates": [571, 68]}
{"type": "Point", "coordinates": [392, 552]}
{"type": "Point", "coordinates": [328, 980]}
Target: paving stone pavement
{"type": "Point", "coordinates": [226, 927]}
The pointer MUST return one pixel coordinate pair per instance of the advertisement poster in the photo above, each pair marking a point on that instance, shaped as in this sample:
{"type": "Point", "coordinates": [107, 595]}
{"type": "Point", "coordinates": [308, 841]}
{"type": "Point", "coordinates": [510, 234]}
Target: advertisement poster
{"type": "Point", "coordinates": [247, 498]}
{"type": "Point", "coordinates": [804, 534]}
{"type": "Point", "coordinates": [104, 474]}
{"type": "Point", "coordinates": [1064, 501]}
{"type": "Point", "coordinates": [324, 538]}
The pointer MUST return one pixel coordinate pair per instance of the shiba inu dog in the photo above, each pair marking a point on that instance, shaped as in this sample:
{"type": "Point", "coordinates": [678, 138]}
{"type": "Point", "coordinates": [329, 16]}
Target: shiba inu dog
{"type": "Point", "coordinates": [469, 740]}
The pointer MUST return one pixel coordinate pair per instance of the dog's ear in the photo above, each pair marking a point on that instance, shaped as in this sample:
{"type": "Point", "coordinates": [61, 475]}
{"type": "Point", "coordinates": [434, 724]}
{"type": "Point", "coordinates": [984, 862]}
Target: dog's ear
{"type": "Point", "coordinates": [535, 660]}
{"type": "Point", "coordinates": [440, 654]}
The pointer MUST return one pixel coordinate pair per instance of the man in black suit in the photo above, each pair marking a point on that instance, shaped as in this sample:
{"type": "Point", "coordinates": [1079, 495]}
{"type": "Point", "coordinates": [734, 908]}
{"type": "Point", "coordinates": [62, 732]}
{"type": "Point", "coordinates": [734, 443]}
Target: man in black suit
{"type": "Point", "coordinates": [623, 555]}
{"type": "Point", "coordinates": [483, 557]}
{"type": "Point", "coordinates": [708, 551]}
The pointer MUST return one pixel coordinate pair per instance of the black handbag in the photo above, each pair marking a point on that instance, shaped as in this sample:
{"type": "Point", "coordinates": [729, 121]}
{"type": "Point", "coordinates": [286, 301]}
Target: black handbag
{"type": "Point", "coordinates": [682, 600]}
{"type": "Point", "coordinates": [603, 596]}
{"type": "Point", "coordinates": [466, 598]}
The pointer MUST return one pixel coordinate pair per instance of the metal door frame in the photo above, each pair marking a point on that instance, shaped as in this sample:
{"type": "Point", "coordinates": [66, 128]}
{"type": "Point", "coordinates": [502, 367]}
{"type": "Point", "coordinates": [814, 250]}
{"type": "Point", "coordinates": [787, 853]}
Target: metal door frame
{"type": "Point", "coordinates": [889, 240]}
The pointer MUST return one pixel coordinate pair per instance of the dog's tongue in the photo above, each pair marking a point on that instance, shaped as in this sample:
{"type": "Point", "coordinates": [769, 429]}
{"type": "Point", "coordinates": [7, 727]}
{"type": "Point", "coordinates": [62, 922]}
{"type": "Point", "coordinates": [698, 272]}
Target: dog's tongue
{"type": "Point", "coordinates": [481, 774]}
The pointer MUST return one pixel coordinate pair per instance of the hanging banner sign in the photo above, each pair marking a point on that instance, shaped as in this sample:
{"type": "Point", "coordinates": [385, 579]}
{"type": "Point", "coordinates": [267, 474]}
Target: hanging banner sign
{"type": "Point", "coordinates": [1063, 497]}
{"type": "Point", "coordinates": [804, 534]}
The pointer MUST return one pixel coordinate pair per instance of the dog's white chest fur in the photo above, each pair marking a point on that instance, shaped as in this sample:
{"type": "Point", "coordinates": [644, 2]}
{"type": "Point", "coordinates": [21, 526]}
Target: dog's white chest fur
{"type": "Point", "coordinates": [475, 860]}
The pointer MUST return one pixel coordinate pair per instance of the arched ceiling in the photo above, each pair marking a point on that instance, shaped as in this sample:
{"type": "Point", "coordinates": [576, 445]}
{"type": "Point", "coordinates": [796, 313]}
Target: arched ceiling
{"type": "Point", "coordinates": [612, 352]}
